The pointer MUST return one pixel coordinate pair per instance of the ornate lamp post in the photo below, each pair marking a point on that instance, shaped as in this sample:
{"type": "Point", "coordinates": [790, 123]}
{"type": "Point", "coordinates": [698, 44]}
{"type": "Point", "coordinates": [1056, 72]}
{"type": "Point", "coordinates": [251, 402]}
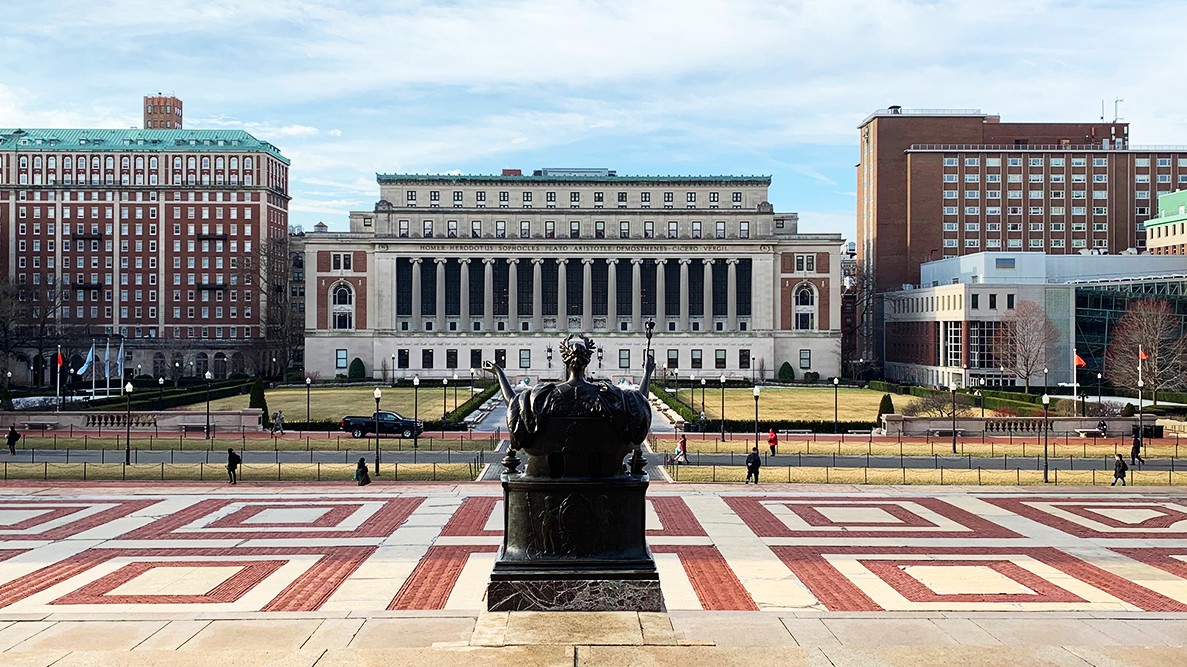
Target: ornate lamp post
{"type": "Point", "coordinates": [547, 353]}
{"type": "Point", "coordinates": [415, 410]}
{"type": "Point", "coordinates": [308, 382]}
{"type": "Point", "coordinates": [601, 351]}
{"type": "Point", "coordinates": [272, 368]}
{"type": "Point", "coordinates": [952, 388]}
{"type": "Point", "coordinates": [756, 392]}
{"type": "Point", "coordinates": [836, 389]}
{"type": "Point", "coordinates": [1046, 428]}
{"type": "Point", "coordinates": [676, 372]}
{"type": "Point", "coordinates": [161, 393]}
{"type": "Point", "coordinates": [209, 377]}
{"type": "Point", "coordinates": [378, 394]}
{"type": "Point", "coordinates": [393, 369]}
{"type": "Point", "coordinates": [176, 373]}
{"type": "Point", "coordinates": [722, 378]}
{"type": "Point", "coordinates": [128, 425]}
{"type": "Point", "coordinates": [702, 394]}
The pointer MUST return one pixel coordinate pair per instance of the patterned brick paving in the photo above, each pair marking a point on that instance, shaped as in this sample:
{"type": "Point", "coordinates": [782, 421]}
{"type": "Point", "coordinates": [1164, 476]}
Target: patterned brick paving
{"type": "Point", "coordinates": [735, 549]}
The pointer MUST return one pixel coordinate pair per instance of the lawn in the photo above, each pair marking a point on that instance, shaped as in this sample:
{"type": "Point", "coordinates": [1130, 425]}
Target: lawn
{"type": "Point", "coordinates": [789, 402]}
{"type": "Point", "coordinates": [860, 445]}
{"type": "Point", "coordinates": [283, 472]}
{"type": "Point", "coordinates": [918, 476]}
{"type": "Point", "coordinates": [334, 403]}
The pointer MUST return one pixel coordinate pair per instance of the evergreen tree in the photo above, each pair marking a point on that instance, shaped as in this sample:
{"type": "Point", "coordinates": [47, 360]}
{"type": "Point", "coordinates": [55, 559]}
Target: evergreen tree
{"type": "Point", "coordinates": [885, 407]}
{"type": "Point", "coordinates": [356, 371]}
{"type": "Point", "coordinates": [258, 400]}
{"type": "Point", "coordinates": [786, 373]}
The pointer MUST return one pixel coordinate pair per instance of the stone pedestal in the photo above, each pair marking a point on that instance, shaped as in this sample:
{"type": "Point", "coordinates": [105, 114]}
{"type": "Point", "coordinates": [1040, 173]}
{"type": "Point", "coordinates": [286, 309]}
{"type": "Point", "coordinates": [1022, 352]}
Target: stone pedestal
{"type": "Point", "coordinates": [574, 545]}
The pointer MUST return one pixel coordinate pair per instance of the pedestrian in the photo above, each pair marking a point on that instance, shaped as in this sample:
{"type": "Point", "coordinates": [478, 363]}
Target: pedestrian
{"type": "Point", "coordinates": [704, 421]}
{"type": "Point", "coordinates": [1135, 450]}
{"type": "Point", "coordinates": [1103, 427]}
{"type": "Point", "coordinates": [13, 436]}
{"type": "Point", "coordinates": [681, 450]}
{"type": "Point", "coordinates": [1119, 470]}
{"type": "Point", "coordinates": [772, 441]}
{"type": "Point", "coordinates": [233, 461]}
{"type": "Point", "coordinates": [361, 475]}
{"type": "Point", "coordinates": [753, 463]}
{"type": "Point", "coordinates": [280, 421]}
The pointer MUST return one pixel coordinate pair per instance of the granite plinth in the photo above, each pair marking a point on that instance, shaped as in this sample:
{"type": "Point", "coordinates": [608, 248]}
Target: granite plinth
{"type": "Point", "coordinates": [574, 595]}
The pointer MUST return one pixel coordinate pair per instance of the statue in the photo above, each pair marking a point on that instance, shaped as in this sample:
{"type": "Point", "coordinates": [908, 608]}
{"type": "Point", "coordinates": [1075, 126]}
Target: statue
{"type": "Point", "coordinates": [576, 428]}
{"type": "Point", "coordinates": [575, 536]}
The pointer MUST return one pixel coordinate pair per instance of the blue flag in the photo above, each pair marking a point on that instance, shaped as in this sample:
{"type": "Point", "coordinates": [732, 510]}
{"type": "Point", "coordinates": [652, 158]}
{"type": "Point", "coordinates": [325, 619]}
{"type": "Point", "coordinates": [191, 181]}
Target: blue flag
{"type": "Point", "coordinates": [86, 366]}
{"type": "Point", "coordinates": [120, 362]}
{"type": "Point", "coordinates": [107, 361]}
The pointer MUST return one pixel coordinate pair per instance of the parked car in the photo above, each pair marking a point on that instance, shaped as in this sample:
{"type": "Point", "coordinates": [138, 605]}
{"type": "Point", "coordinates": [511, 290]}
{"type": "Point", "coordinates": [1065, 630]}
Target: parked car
{"type": "Point", "coordinates": [389, 423]}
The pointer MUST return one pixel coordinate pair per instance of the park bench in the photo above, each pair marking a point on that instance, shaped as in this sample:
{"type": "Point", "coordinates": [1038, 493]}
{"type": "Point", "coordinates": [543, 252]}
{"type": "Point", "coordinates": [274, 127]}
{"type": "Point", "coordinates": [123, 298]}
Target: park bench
{"type": "Point", "coordinates": [192, 426]}
{"type": "Point", "coordinates": [860, 431]}
{"type": "Point", "coordinates": [939, 432]}
{"type": "Point", "coordinates": [1091, 433]}
{"type": "Point", "coordinates": [44, 425]}
{"type": "Point", "coordinates": [797, 431]}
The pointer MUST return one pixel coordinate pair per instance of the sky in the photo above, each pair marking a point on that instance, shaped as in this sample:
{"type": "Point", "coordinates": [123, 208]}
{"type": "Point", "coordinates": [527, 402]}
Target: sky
{"type": "Point", "coordinates": [644, 87]}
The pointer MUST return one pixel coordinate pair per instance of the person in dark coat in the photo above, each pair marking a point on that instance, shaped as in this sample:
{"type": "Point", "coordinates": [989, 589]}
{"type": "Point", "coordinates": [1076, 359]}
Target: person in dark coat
{"type": "Point", "coordinates": [1103, 427]}
{"type": "Point", "coordinates": [1135, 450]}
{"type": "Point", "coordinates": [361, 475]}
{"type": "Point", "coordinates": [13, 436]}
{"type": "Point", "coordinates": [233, 461]}
{"type": "Point", "coordinates": [753, 463]}
{"type": "Point", "coordinates": [1119, 470]}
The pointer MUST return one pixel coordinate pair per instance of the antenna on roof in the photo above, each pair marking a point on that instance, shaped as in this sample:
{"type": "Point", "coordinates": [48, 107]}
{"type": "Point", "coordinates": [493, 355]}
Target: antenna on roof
{"type": "Point", "coordinates": [1115, 103]}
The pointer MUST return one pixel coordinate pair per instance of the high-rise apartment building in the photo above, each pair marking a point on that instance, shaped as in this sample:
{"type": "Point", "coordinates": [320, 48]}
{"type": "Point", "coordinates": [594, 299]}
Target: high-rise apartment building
{"type": "Point", "coordinates": [162, 112]}
{"type": "Point", "coordinates": [935, 183]}
{"type": "Point", "coordinates": [172, 240]}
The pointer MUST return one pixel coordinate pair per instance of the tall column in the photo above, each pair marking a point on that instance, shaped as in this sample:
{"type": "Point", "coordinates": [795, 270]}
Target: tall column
{"type": "Point", "coordinates": [731, 295]}
{"type": "Point", "coordinates": [684, 294]}
{"type": "Point", "coordinates": [562, 295]}
{"type": "Point", "coordinates": [612, 295]}
{"type": "Point", "coordinates": [636, 295]}
{"type": "Point", "coordinates": [537, 295]}
{"type": "Point", "coordinates": [464, 286]}
{"type": "Point", "coordinates": [513, 294]}
{"type": "Point", "coordinates": [586, 295]}
{"type": "Point", "coordinates": [708, 296]}
{"type": "Point", "coordinates": [440, 326]}
{"type": "Point", "coordinates": [417, 316]}
{"type": "Point", "coordinates": [488, 298]}
{"type": "Point", "coordinates": [661, 295]}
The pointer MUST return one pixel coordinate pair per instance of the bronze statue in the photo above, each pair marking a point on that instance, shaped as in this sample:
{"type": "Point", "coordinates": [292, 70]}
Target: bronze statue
{"type": "Point", "coordinates": [576, 428]}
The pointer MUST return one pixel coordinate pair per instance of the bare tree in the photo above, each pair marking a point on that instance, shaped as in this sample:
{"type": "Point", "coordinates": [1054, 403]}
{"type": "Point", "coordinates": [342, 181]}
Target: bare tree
{"type": "Point", "coordinates": [936, 405]}
{"type": "Point", "coordinates": [1021, 340]}
{"type": "Point", "coordinates": [1153, 326]}
{"type": "Point", "coordinates": [267, 283]}
{"type": "Point", "coordinates": [862, 288]}
{"type": "Point", "coordinates": [15, 313]}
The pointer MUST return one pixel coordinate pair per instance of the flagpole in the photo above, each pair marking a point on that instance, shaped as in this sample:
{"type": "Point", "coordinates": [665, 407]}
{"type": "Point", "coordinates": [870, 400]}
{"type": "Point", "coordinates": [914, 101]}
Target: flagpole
{"type": "Point", "coordinates": [58, 384]}
{"type": "Point", "coordinates": [1075, 385]}
{"type": "Point", "coordinates": [93, 369]}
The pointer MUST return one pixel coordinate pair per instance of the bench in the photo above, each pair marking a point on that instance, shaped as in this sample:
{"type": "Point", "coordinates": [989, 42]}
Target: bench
{"type": "Point", "coordinates": [42, 424]}
{"type": "Point", "coordinates": [860, 431]}
{"type": "Point", "coordinates": [798, 431]}
{"type": "Point", "coordinates": [186, 428]}
{"type": "Point", "coordinates": [1091, 433]}
{"type": "Point", "coordinates": [938, 432]}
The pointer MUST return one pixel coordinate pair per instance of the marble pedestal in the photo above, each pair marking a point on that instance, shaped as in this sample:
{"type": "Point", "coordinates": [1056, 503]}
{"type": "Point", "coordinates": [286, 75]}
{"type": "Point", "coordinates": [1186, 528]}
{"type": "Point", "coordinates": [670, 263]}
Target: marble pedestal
{"type": "Point", "coordinates": [574, 545]}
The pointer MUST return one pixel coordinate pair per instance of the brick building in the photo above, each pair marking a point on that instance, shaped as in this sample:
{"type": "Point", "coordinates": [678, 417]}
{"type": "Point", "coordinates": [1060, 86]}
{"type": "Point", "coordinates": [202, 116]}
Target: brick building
{"type": "Point", "coordinates": [164, 238]}
{"type": "Point", "coordinates": [162, 112]}
{"type": "Point", "coordinates": [448, 271]}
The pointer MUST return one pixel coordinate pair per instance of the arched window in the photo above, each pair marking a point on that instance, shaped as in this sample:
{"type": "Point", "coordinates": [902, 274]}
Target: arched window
{"type": "Point", "coordinates": [24, 162]}
{"type": "Point", "coordinates": [342, 306]}
{"type": "Point", "coordinates": [67, 162]}
{"type": "Point", "coordinates": [37, 162]}
{"type": "Point", "coordinates": [220, 366]}
{"type": "Point", "coordinates": [124, 162]}
{"type": "Point", "coordinates": [247, 163]}
{"type": "Point", "coordinates": [140, 162]}
{"type": "Point", "coordinates": [201, 364]}
{"type": "Point", "coordinates": [218, 162]}
{"type": "Point", "coordinates": [191, 162]}
{"type": "Point", "coordinates": [804, 309]}
{"type": "Point", "coordinates": [205, 163]}
{"type": "Point", "coordinates": [109, 162]}
{"type": "Point", "coordinates": [234, 163]}
{"type": "Point", "coordinates": [159, 367]}
{"type": "Point", "coordinates": [177, 162]}
{"type": "Point", "coordinates": [51, 162]}
{"type": "Point", "coordinates": [152, 163]}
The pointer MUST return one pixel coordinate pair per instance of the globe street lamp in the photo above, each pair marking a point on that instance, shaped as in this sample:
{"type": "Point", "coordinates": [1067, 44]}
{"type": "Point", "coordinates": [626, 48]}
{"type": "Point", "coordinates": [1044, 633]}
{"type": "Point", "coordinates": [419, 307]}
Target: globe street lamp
{"type": "Point", "coordinates": [444, 400]}
{"type": "Point", "coordinates": [176, 373]}
{"type": "Point", "coordinates": [836, 388]}
{"type": "Point", "coordinates": [547, 353]}
{"type": "Point", "coordinates": [756, 392]}
{"type": "Point", "coordinates": [472, 373]}
{"type": "Point", "coordinates": [1046, 372]}
{"type": "Point", "coordinates": [1046, 428]}
{"type": "Point", "coordinates": [952, 388]}
{"type": "Point", "coordinates": [378, 394]}
{"type": "Point", "coordinates": [722, 378]}
{"type": "Point", "coordinates": [1099, 377]}
{"type": "Point", "coordinates": [308, 382]}
{"type": "Point", "coordinates": [415, 410]}
{"type": "Point", "coordinates": [161, 393]}
{"type": "Point", "coordinates": [393, 373]}
{"type": "Point", "coordinates": [209, 377]}
{"type": "Point", "coordinates": [981, 397]}
{"type": "Point", "coordinates": [702, 394]}
{"type": "Point", "coordinates": [455, 391]}
{"type": "Point", "coordinates": [128, 425]}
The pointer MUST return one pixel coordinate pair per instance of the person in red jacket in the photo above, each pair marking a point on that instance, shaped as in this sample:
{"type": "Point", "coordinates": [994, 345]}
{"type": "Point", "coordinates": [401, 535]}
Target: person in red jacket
{"type": "Point", "coordinates": [772, 441]}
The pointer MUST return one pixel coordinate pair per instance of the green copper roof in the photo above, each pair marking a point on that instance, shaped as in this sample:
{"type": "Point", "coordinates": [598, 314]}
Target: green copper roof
{"type": "Point", "coordinates": [34, 139]}
{"type": "Point", "coordinates": [527, 179]}
{"type": "Point", "coordinates": [1169, 206]}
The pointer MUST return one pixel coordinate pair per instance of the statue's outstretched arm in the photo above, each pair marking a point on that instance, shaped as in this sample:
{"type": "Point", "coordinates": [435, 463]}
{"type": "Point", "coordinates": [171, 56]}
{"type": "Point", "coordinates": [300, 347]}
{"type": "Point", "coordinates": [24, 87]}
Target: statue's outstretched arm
{"type": "Point", "coordinates": [504, 383]}
{"type": "Point", "coordinates": [648, 368]}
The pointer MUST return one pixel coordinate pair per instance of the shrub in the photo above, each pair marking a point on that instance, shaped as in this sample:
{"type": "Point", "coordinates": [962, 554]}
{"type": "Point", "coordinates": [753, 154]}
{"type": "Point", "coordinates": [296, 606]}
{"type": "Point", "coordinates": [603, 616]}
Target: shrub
{"type": "Point", "coordinates": [356, 371]}
{"type": "Point", "coordinates": [786, 373]}
{"type": "Point", "coordinates": [1128, 410]}
{"type": "Point", "coordinates": [258, 400]}
{"type": "Point", "coordinates": [885, 407]}
{"type": "Point", "coordinates": [811, 376]}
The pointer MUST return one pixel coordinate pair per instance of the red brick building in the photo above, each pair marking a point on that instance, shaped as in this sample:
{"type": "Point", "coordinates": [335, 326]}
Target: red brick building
{"type": "Point", "coordinates": [165, 238]}
{"type": "Point", "coordinates": [162, 112]}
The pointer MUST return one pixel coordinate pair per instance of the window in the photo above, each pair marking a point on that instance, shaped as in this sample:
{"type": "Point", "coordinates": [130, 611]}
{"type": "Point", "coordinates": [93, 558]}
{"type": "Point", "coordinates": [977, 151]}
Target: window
{"type": "Point", "coordinates": [428, 229]}
{"type": "Point", "coordinates": [975, 300]}
{"type": "Point", "coordinates": [426, 358]}
{"type": "Point", "coordinates": [805, 359]}
{"type": "Point", "coordinates": [993, 302]}
{"type": "Point", "coordinates": [673, 230]}
{"type": "Point", "coordinates": [720, 229]}
{"type": "Point", "coordinates": [624, 358]}
{"type": "Point", "coordinates": [574, 230]}
{"type": "Point", "coordinates": [696, 229]}
{"type": "Point", "coordinates": [340, 261]}
{"type": "Point", "coordinates": [340, 359]}
{"type": "Point", "coordinates": [950, 178]}
{"type": "Point", "coordinates": [342, 307]}
{"type": "Point", "coordinates": [673, 359]}
{"type": "Point", "coordinates": [743, 230]}
{"type": "Point", "coordinates": [949, 162]}
{"type": "Point", "coordinates": [696, 359]}
{"type": "Point", "coordinates": [805, 263]}
{"type": "Point", "coordinates": [1009, 302]}
{"type": "Point", "coordinates": [525, 359]}
{"type": "Point", "coordinates": [804, 308]}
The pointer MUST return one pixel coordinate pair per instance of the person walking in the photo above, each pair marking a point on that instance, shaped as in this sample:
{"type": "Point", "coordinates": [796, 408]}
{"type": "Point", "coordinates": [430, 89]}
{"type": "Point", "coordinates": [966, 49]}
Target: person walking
{"type": "Point", "coordinates": [772, 441]}
{"type": "Point", "coordinates": [753, 463]}
{"type": "Point", "coordinates": [1103, 427]}
{"type": "Point", "coordinates": [233, 461]}
{"type": "Point", "coordinates": [1135, 450]}
{"type": "Point", "coordinates": [280, 421]}
{"type": "Point", "coordinates": [361, 475]}
{"type": "Point", "coordinates": [681, 450]}
{"type": "Point", "coordinates": [13, 436]}
{"type": "Point", "coordinates": [1119, 470]}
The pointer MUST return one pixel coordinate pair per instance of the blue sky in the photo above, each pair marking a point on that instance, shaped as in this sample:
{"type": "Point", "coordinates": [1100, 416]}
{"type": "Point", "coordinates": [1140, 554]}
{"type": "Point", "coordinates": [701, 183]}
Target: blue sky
{"type": "Point", "coordinates": [347, 89]}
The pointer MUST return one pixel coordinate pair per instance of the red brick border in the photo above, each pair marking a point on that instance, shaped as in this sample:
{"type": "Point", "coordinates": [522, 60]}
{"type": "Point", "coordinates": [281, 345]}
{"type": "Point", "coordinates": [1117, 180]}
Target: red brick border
{"type": "Point", "coordinates": [336, 515]}
{"type": "Point", "coordinates": [838, 593]}
{"type": "Point", "coordinates": [393, 513]}
{"type": "Point", "coordinates": [432, 581]}
{"type": "Point", "coordinates": [306, 593]}
{"type": "Point", "coordinates": [1161, 558]}
{"type": "Point", "coordinates": [99, 591]}
{"type": "Point", "coordinates": [1022, 507]}
{"type": "Point", "coordinates": [716, 585]}
{"type": "Point", "coordinates": [892, 572]}
{"type": "Point", "coordinates": [812, 515]}
{"type": "Point", "coordinates": [471, 517]}
{"type": "Point", "coordinates": [118, 510]}
{"type": "Point", "coordinates": [675, 517]}
{"type": "Point", "coordinates": [765, 524]}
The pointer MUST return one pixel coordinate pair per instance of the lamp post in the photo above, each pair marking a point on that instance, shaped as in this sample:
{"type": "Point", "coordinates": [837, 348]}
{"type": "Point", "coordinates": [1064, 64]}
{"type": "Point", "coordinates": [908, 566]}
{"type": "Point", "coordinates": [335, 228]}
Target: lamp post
{"type": "Point", "coordinates": [547, 353]}
{"type": "Point", "coordinates": [378, 394]}
{"type": "Point", "coordinates": [308, 384]}
{"type": "Point", "coordinates": [472, 373]}
{"type": "Point", "coordinates": [836, 389]}
{"type": "Point", "coordinates": [676, 372]}
{"type": "Point", "coordinates": [209, 377]}
{"type": "Point", "coordinates": [128, 425]}
{"type": "Point", "coordinates": [137, 371]}
{"type": "Point", "coordinates": [455, 391]}
{"type": "Point", "coordinates": [756, 392]}
{"type": "Point", "coordinates": [722, 378]}
{"type": "Point", "coordinates": [1099, 377]}
{"type": "Point", "coordinates": [444, 400]}
{"type": "Point", "coordinates": [1140, 415]}
{"type": "Point", "coordinates": [176, 373]}
{"type": "Point", "coordinates": [753, 371]}
{"type": "Point", "coordinates": [415, 410]}
{"type": "Point", "coordinates": [952, 388]}
{"type": "Point", "coordinates": [1046, 372]}
{"type": "Point", "coordinates": [393, 371]}
{"type": "Point", "coordinates": [601, 351]}
{"type": "Point", "coordinates": [702, 394]}
{"type": "Point", "coordinates": [981, 396]}
{"type": "Point", "coordinates": [1046, 402]}
{"type": "Point", "coordinates": [161, 393]}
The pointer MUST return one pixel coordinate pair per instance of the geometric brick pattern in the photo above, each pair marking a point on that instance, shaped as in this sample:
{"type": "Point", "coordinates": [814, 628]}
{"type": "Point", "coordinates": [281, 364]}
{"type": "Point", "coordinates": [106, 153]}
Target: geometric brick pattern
{"type": "Point", "coordinates": [718, 549]}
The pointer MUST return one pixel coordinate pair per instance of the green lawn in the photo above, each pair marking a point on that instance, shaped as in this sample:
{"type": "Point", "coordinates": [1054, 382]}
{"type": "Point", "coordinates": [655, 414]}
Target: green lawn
{"type": "Point", "coordinates": [790, 402]}
{"type": "Point", "coordinates": [333, 403]}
